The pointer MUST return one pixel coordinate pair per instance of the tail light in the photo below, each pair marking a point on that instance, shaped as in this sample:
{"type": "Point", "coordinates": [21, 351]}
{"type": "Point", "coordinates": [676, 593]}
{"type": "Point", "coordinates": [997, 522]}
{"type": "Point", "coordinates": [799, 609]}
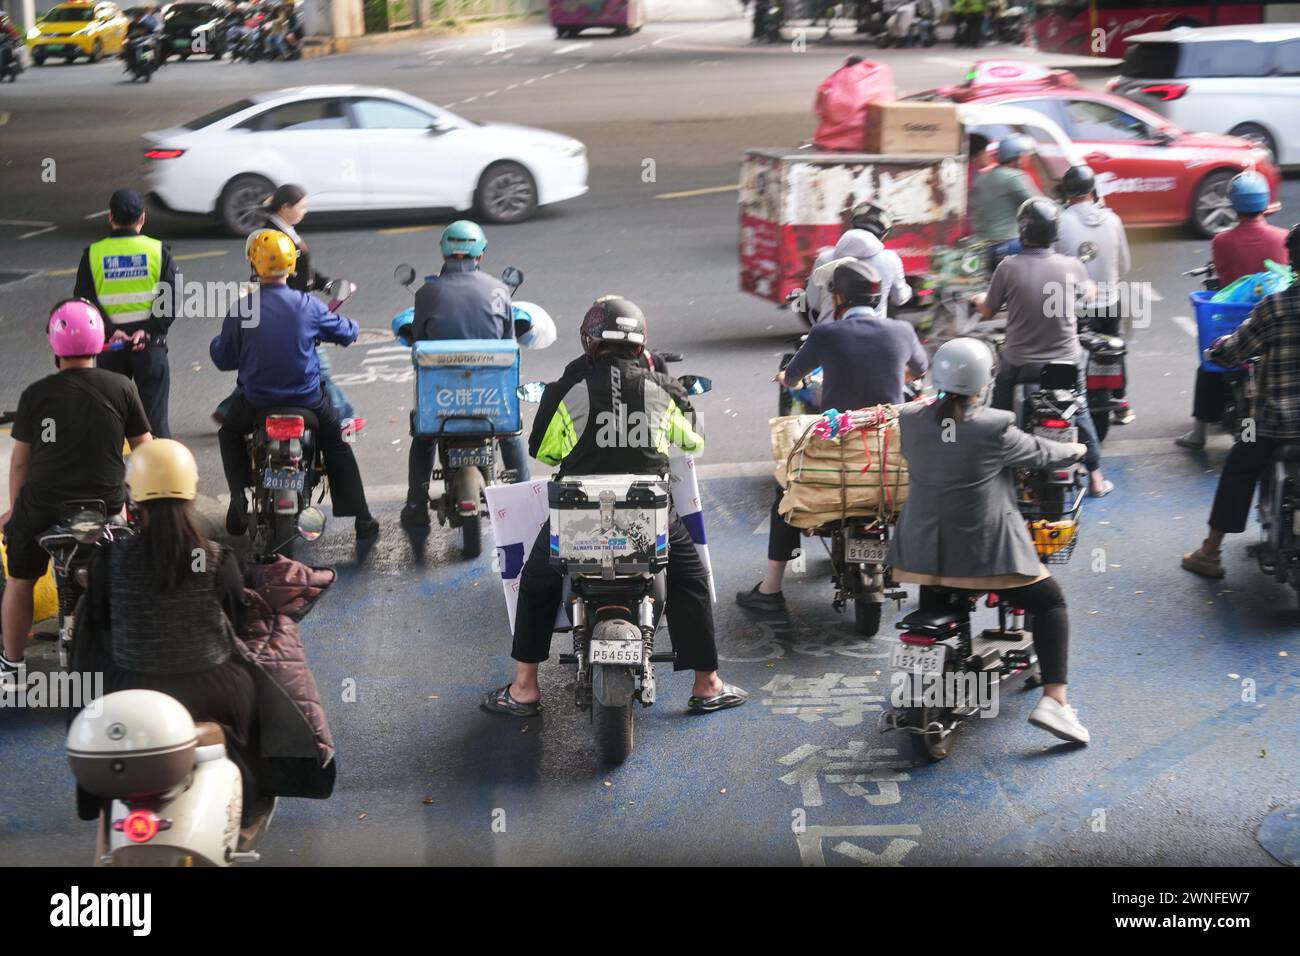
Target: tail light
{"type": "Point", "coordinates": [284, 427]}
{"type": "Point", "coordinates": [1055, 423]}
{"type": "Point", "coordinates": [164, 153]}
{"type": "Point", "coordinates": [1165, 91]}
{"type": "Point", "coordinates": [141, 826]}
{"type": "Point", "coordinates": [918, 639]}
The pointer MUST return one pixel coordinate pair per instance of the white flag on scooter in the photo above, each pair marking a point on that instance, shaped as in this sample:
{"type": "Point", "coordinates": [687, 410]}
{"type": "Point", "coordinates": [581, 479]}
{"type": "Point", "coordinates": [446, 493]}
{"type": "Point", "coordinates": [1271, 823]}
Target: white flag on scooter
{"type": "Point", "coordinates": [690, 508]}
{"type": "Point", "coordinates": [518, 512]}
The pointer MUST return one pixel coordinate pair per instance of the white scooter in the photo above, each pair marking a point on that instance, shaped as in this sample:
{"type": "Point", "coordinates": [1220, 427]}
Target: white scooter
{"type": "Point", "coordinates": [177, 797]}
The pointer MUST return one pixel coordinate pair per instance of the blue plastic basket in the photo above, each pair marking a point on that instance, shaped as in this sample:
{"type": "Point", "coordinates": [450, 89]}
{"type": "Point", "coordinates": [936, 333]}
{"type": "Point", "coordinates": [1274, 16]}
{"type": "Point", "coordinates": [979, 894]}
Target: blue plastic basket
{"type": "Point", "coordinates": [1215, 319]}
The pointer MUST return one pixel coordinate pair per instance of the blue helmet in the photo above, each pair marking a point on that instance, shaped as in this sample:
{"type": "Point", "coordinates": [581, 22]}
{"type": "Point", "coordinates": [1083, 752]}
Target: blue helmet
{"type": "Point", "coordinates": [1013, 147]}
{"type": "Point", "coordinates": [463, 238]}
{"type": "Point", "coordinates": [1249, 192]}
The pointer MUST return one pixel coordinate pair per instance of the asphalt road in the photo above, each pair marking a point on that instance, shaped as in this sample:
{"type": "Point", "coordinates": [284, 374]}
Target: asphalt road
{"type": "Point", "coordinates": [1183, 767]}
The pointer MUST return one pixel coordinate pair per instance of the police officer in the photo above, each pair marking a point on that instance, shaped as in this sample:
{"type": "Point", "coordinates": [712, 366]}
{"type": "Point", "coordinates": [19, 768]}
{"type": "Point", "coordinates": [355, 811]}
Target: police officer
{"type": "Point", "coordinates": [131, 279]}
{"type": "Point", "coordinates": [460, 302]}
{"type": "Point", "coordinates": [612, 381]}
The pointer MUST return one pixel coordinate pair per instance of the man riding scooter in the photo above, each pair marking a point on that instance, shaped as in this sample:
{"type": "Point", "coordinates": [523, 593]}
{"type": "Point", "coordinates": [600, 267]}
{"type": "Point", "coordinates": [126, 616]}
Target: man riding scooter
{"type": "Point", "coordinates": [865, 359]}
{"type": "Point", "coordinates": [864, 240]}
{"type": "Point", "coordinates": [275, 355]}
{"type": "Point", "coordinates": [460, 302]}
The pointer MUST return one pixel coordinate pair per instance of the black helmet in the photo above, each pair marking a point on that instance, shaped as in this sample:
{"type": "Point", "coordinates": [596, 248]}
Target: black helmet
{"type": "Point", "coordinates": [612, 318]}
{"type": "Point", "coordinates": [874, 219]}
{"type": "Point", "coordinates": [1293, 246]}
{"type": "Point", "coordinates": [1078, 181]}
{"type": "Point", "coordinates": [857, 281]}
{"type": "Point", "coordinates": [1039, 220]}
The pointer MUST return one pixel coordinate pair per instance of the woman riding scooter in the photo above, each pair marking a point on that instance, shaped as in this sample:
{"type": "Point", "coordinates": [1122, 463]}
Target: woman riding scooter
{"type": "Point", "coordinates": [960, 532]}
{"type": "Point", "coordinates": [163, 606]}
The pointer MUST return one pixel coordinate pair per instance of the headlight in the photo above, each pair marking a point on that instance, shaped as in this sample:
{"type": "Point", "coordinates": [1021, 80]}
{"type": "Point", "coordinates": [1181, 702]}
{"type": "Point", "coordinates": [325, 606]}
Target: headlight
{"type": "Point", "coordinates": [34, 33]}
{"type": "Point", "coordinates": [572, 149]}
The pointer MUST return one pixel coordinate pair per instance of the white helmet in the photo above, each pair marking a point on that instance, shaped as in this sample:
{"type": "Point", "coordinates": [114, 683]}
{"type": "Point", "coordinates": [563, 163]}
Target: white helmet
{"type": "Point", "coordinates": [962, 367]}
{"type": "Point", "coordinates": [541, 330]}
{"type": "Point", "coordinates": [132, 743]}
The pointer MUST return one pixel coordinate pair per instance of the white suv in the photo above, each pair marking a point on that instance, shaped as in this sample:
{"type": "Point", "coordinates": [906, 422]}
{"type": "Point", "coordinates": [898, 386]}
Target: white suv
{"type": "Point", "coordinates": [1243, 80]}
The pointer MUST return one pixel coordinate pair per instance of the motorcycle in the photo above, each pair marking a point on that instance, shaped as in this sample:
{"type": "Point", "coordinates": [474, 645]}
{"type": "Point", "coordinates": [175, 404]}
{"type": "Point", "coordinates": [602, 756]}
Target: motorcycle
{"type": "Point", "coordinates": [1278, 550]}
{"type": "Point", "coordinates": [1240, 396]}
{"type": "Point", "coordinates": [143, 56]}
{"type": "Point", "coordinates": [1106, 377]}
{"type": "Point", "coordinates": [769, 17]}
{"type": "Point", "coordinates": [1047, 405]}
{"type": "Point", "coordinates": [11, 63]}
{"type": "Point", "coordinates": [175, 798]}
{"type": "Point", "coordinates": [609, 538]}
{"type": "Point", "coordinates": [83, 527]}
{"type": "Point", "coordinates": [287, 467]}
{"type": "Point", "coordinates": [1011, 26]}
{"type": "Point", "coordinates": [942, 674]}
{"type": "Point", "coordinates": [467, 442]}
{"type": "Point", "coordinates": [911, 24]}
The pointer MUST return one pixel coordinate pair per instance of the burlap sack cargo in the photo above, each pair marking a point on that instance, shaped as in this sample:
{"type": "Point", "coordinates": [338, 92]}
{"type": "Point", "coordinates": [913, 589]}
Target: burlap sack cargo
{"type": "Point", "coordinates": [860, 474]}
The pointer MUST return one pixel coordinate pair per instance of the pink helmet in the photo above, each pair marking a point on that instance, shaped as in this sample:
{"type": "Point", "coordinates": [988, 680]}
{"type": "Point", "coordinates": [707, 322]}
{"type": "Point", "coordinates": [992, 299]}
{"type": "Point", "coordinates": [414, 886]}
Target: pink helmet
{"type": "Point", "coordinates": [76, 328]}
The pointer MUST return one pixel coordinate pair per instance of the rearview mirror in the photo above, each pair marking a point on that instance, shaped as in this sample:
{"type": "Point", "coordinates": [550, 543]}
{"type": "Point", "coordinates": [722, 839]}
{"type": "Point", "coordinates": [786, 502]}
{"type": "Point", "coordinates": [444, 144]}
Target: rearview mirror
{"type": "Point", "coordinates": [87, 526]}
{"type": "Point", "coordinates": [670, 356]}
{"type": "Point", "coordinates": [404, 274]}
{"type": "Point", "coordinates": [512, 277]}
{"type": "Point", "coordinates": [311, 524]}
{"type": "Point", "coordinates": [696, 384]}
{"type": "Point", "coordinates": [531, 392]}
{"type": "Point", "coordinates": [339, 291]}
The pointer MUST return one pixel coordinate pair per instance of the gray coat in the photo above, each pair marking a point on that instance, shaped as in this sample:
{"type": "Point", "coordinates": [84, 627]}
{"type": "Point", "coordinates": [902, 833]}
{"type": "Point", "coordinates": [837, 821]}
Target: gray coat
{"type": "Point", "coordinates": [961, 519]}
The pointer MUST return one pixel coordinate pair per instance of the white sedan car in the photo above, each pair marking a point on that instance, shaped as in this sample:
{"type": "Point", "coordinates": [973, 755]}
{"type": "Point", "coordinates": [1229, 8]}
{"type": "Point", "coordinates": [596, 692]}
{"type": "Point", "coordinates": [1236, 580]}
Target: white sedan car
{"type": "Point", "coordinates": [358, 148]}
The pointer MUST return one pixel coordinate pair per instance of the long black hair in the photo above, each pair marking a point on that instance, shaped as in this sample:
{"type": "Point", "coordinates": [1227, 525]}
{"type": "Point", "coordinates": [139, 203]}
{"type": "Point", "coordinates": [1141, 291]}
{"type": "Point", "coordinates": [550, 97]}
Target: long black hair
{"type": "Point", "coordinates": [290, 194]}
{"type": "Point", "coordinates": [171, 541]}
{"type": "Point", "coordinates": [951, 407]}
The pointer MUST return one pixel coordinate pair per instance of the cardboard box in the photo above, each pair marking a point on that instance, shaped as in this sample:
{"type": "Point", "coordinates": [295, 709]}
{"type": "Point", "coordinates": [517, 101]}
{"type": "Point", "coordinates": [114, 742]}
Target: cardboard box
{"type": "Point", "coordinates": [900, 128]}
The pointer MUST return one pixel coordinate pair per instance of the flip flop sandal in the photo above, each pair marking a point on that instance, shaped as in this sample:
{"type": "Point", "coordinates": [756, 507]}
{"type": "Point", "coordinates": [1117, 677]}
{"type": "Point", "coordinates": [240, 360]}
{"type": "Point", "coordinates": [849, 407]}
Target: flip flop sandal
{"type": "Point", "coordinates": [730, 696]}
{"type": "Point", "coordinates": [1106, 489]}
{"type": "Point", "coordinates": [500, 702]}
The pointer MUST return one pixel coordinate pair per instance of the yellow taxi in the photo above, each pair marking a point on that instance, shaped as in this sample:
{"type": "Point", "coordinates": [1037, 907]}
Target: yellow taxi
{"type": "Point", "coordinates": [78, 28]}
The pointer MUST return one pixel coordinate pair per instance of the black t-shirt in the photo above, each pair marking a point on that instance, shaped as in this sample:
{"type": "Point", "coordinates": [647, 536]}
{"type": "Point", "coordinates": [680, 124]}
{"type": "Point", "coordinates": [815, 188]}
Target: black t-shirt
{"type": "Point", "coordinates": [76, 421]}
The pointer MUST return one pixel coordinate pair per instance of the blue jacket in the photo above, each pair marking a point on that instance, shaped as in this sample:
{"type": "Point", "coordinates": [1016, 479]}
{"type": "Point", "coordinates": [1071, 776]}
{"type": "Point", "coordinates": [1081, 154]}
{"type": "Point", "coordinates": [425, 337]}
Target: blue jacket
{"type": "Point", "coordinates": [275, 350]}
{"type": "Point", "coordinates": [462, 303]}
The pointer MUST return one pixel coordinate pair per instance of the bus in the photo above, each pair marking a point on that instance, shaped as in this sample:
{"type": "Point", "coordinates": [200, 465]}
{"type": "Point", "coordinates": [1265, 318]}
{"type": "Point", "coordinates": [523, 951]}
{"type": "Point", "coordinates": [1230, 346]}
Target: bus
{"type": "Point", "coordinates": [1101, 27]}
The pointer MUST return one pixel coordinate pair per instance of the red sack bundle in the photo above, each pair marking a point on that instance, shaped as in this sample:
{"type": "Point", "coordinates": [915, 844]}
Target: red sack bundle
{"type": "Point", "coordinates": [842, 100]}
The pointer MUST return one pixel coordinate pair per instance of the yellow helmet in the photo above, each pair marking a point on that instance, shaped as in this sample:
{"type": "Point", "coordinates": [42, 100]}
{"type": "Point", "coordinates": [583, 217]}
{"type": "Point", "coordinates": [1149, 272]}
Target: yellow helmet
{"type": "Point", "coordinates": [271, 253]}
{"type": "Point", "coordinates": [162, 468]}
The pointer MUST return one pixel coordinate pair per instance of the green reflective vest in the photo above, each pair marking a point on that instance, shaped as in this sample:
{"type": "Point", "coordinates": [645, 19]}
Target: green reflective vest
{"type": "Point", "coordinates": [126, 271]}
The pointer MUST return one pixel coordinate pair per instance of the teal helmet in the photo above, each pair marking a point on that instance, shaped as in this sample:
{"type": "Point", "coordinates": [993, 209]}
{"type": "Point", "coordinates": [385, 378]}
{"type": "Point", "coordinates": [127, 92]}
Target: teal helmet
{"type": "Point", "coordinates": [463, 238]}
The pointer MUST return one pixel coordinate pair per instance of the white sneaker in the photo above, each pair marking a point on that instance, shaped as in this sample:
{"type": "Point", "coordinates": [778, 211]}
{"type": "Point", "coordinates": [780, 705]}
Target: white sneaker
{"type": "Point", "coordinates": [13, 677]}
{"type": "Point", "coordinates": [1059, 720]}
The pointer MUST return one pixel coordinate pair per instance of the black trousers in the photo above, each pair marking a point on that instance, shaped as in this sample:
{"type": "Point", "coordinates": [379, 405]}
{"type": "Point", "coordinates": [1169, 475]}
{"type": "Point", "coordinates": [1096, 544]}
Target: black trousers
{"type": "Point", "coordinates": [783, 540]}
{"type": "Point", "coordinates": [149, 370]}
{"type": "Point", "coordinates": [1245, 465]}
{"type": "Point", "coordinates": [347, 493]}
{"type": "Point", "coordinates": [1212, 392]}
{"type": "Point", "coordinates": [689, 609]}
{"type": "Point", "coordinates": [1044, 600]}
{"type": "Point", "coordinates": [420, 461]}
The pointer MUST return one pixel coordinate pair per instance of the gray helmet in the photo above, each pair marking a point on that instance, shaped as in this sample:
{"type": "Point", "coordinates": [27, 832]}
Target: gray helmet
{"type": "Point", "coordinates": [962, 367]}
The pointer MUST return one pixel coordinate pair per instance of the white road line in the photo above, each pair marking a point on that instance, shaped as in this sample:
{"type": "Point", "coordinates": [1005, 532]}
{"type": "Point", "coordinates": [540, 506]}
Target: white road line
{"type": "Point", "coordinates": [96, 215]}
{"type": "Point", "coordinates": [405, 350]}
{"type": "Point", "coordinates": [571, 47]}
{"type": "Point", "coordinates": [1185, 323]}
{"type": "Point", "coordinates": [490, 93]}
{"type": "Point", "coordinates": [37, 232]}
{"type": "Point", "coordinates": [948, 61]}
{"type": "Point", "coordinates": [23, 222]}
{"type": "Point", "coordinates": [506, 49]}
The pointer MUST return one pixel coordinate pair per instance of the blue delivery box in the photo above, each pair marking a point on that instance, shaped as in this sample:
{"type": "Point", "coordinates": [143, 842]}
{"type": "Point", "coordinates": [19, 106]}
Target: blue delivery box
{"type": "Point", "coordinates": [466, 386]}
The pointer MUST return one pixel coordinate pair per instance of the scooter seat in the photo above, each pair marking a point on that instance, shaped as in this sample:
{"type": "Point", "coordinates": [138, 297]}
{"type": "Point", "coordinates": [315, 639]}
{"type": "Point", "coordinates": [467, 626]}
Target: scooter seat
{"type": "Point", "coordinates": [1287, 453]}
{"type": "Point", "coordinates": [932, 619]}
{"type": "Point", "coordinates": [209, 734]}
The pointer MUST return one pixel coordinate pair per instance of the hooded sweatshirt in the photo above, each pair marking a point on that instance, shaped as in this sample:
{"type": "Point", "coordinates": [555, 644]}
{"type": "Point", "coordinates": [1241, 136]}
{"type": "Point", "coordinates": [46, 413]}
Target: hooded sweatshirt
{"type": "Point", "coordinates": [1087, 223]}
{"type": "Point", "coordinates": [857, 244]}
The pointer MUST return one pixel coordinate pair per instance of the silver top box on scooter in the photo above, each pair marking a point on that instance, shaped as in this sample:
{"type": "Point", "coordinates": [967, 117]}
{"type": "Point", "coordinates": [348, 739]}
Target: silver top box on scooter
{"type": "Point", "coordinates": [603, 524]}
{"type": "Point", "coordinates": [132, 743]}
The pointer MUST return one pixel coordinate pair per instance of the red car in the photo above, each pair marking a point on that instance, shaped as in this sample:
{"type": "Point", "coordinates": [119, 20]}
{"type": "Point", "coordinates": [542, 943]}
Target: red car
{"type": "Point", "coordinates": [1151, 172]}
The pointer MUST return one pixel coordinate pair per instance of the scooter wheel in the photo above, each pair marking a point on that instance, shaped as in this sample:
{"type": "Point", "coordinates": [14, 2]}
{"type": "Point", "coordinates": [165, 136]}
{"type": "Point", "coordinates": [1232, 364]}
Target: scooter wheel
{"type": "Point", "coordinates": [930, 747]}
{"type": "Point", "coordinates": [613, 730]}
{"type": "Point", "coordinates": [471, 536]}
{"type": "Point", "coordinates": [866, 617]}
